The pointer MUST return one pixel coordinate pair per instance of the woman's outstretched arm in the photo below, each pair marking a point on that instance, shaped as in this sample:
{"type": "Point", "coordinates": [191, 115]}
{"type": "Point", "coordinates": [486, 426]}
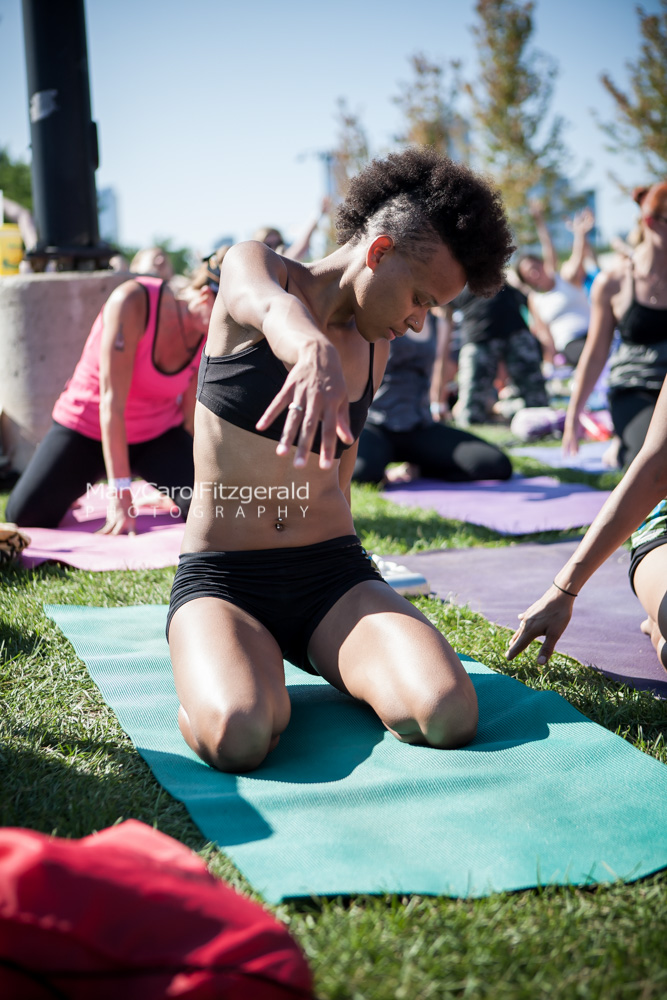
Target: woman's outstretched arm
{"type": "Point", "coordinates": [642, 487]}
{"type": "Point", "coordinates": [593, 357]}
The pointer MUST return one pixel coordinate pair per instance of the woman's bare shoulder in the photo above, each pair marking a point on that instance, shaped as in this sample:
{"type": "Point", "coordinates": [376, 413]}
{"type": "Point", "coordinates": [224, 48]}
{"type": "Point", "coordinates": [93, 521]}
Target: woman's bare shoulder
{"type": "Point", "coordinates": [609, 282]}
{"type": "Point", "coordinates": [253, 259]}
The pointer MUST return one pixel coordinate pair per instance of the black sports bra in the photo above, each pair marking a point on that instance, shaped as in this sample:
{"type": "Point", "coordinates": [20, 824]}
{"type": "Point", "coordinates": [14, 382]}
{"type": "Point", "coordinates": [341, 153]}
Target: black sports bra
{"type": "Point", "coordinates": [239, 388]}
{"type": "Point", "coordinates": [642, 324]}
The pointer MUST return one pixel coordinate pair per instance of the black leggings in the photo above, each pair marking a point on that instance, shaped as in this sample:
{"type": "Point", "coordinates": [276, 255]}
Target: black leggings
{"type": "Point", "coordinates": [440, 451]}
{"type": "Point", "coordinates": [631, 412]}
{"type": "Point", "coordinates": [572, 351]}
{"type": "Point", "coordinates": [66, 462]}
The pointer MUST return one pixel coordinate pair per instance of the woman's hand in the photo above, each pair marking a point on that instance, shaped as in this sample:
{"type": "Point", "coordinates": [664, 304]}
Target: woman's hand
{"type": "Point", "coordinates": [572, 432]}
{"type": "Point", "coordinates": [548, 617]}
{"type": "Point", "coordinates": [121, 515]}
{"type": "Point", "coordinates": [314, 391]}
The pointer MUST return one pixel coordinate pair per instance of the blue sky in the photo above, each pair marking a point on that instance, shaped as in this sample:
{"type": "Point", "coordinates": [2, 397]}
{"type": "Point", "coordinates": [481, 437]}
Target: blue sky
{"type": "Point", "coordinates": [210, 113]}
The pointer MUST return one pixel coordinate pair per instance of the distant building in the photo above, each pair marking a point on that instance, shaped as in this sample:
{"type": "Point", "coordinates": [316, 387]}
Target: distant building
{"type": "Point", "coordinates": [107, 209]}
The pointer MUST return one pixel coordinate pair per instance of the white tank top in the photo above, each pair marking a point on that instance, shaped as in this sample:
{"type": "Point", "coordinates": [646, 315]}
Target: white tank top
{"type": "Point", "coordinates": [566, 311]}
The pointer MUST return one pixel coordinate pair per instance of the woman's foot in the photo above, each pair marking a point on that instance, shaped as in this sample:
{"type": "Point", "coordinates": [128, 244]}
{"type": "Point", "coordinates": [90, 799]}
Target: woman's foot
{"type": "Point", "coordinates": [403, 473]}
{"type": "Point", "coordinates": [651, 628]}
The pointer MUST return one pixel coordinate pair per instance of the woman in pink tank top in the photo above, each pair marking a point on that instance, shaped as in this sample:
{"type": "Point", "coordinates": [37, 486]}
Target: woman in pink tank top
{"type": "Point", "coordinates": [128, 407]}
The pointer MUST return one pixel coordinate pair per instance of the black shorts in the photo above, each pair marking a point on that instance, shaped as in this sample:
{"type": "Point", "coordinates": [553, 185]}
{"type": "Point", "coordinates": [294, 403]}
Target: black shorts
{"type": "Point", "coordinates": [638, 554]}
{"type": "Point", "coordinates": [289, 591]}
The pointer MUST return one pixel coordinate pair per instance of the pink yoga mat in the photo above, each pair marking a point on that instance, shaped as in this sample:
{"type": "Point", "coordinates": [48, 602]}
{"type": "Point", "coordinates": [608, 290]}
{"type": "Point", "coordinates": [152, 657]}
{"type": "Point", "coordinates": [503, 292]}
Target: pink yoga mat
{"type": "Point", "coordinates": [157, 542]}
{"type": "Point", "coordinates": [519, 506]}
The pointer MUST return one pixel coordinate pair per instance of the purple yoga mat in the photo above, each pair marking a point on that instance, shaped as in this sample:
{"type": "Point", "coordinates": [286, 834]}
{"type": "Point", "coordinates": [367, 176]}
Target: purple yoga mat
{"type": "Point", "coordinates": [157, 542]}
{"type": "Point", "coordinates": [520, 506]}
{"type": "Point", "coordinates": [501, 583]}
{"type": "Point", "coordinates": [587, 459]}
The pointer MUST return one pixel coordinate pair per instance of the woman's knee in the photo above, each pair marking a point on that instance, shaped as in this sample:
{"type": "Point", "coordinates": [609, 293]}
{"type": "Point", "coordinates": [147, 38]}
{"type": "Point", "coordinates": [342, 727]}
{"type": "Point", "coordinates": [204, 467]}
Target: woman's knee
{"type": "Point", "coordinates": [494, 465]}
{"type": "Point", "coordinates": [233, 739]}
{"type": "Point", "coordinates": [443, 720]}
{"type": "Point", "coordinates": [451, 721]}
{"type": "Point", "coordinates": [27, 509]}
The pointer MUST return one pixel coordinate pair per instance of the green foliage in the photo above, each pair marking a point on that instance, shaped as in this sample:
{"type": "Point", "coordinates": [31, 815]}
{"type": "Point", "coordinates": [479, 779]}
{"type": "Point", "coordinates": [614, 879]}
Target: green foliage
{"type": "Point", "coordinates": [68, 768]}
{"type": "Point", "coordinates": [15, 179]}
{"type": "Point", "coordinates": [641, 114]}
{"type": "Point", "coordinates": [429, 109]}
{"type": "Point", "coordinates": [183, 260]}
{"type": "Point", "coordinates": [519, 146]}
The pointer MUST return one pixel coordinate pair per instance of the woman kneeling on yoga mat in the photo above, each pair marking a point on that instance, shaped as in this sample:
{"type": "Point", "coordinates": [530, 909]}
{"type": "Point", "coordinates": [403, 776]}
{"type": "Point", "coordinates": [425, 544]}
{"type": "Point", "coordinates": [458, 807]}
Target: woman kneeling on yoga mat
{"type": "Point", "coordinates": [639, 495]}
{"type": "Point", "coordinates": [128, 408]}
{"type": "Point", "coordinates": [270, 565]}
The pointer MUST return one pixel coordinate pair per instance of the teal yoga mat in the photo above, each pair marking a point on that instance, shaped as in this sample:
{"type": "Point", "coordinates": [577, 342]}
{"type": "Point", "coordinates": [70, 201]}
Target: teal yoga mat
{"type": "Point", "coordinates": [542, 796]}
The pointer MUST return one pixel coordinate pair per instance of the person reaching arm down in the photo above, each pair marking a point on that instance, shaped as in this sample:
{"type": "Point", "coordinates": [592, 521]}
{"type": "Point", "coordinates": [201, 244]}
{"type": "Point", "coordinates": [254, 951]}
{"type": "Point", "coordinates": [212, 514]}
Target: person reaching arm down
{"type": "Point", "coordinates": [637, 505]}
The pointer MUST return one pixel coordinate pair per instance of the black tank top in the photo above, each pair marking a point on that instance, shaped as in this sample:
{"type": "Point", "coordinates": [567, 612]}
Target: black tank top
{"type": "Point", "coordinates": [642, 324]}
{"type": "Point", "coordinates": [239, 388]}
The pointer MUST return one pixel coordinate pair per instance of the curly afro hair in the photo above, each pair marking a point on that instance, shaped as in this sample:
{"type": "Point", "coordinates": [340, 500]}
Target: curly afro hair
{"type": "Point", "coordinates": [419, 197]}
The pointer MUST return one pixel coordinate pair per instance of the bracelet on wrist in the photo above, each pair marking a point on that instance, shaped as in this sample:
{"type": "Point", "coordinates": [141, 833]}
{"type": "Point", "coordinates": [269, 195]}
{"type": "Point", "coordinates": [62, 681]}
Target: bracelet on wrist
{"type": "Point", "coordinates": [121, 484]}
{"type": "Point", "coordinates": [563, 591]}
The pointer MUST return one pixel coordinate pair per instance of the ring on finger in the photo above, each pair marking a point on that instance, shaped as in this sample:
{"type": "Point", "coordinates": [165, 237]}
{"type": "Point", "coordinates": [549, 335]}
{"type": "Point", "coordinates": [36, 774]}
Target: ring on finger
{"type": "Point", "coordinates": [295, 406]}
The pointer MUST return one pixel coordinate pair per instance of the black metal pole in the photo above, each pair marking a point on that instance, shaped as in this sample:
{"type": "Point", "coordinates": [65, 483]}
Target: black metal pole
{"type": "Point", "coordinates": [63, 135]}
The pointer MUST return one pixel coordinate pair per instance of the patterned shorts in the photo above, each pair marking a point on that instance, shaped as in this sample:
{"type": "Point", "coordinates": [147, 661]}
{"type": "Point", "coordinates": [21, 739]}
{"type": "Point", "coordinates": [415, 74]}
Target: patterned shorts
{"type": "Point", "coordinates": [650, 533]}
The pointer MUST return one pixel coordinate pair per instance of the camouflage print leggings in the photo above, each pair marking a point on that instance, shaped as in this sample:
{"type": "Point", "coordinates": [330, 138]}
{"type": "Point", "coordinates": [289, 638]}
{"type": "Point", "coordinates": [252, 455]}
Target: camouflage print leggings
{"type": "Point", "coordinates": [478, 365]}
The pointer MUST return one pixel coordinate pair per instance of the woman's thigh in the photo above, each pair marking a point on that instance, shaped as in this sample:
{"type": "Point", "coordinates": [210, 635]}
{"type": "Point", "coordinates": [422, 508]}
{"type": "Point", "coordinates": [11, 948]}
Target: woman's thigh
{"type": "Point", "coordinates": [167, 462]}
{"type": "Point", "coordinates": [64, 464]}
{"type": "Point", "coordinates": [230, 681]}
{"type": "Point", "coordinates": [374, 453]}
{"type": "Point", "coordinates": [650, 582]}
{"type": "Point", "coordinates": [452, 454]}
{"type": "Point", "coordinates": [377, 647]}
{"type": "Point", "coordinates": [631, 414]}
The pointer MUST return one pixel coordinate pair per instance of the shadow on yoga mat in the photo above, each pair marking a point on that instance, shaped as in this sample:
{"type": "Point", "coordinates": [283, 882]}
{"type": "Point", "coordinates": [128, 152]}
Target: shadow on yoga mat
{"type": "Point", "coordinates": [542, 796]}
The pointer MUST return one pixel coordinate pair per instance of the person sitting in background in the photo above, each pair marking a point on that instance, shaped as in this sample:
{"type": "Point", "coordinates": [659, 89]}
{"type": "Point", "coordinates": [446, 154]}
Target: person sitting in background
{"type": "Point", "coordinates": [298, 249]}
{"type": "Point", "coordinates": [406, 420]}
{"type": "Point", "coordinates": [559, 299]}
{"type": "Point", "coordinates": [630, 297]}
{"type": "Point", "coordinates": [494, 332]}
{"type": "Point", "coordinates": [128, 408]}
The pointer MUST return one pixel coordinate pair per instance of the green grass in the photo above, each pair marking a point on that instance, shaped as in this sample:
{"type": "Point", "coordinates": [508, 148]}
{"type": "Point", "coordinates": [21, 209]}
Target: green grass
{"type": "Point", "coordinates": [68, 768]}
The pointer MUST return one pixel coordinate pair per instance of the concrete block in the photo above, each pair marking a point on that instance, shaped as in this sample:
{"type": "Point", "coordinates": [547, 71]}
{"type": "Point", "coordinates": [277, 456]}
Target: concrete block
{"type": "Point", "coordinates": [44, 322]}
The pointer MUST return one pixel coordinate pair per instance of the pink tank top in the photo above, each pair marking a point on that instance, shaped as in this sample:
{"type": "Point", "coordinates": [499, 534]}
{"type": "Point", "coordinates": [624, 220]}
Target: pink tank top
{"type": "Point", "coordinates": [154, 401]}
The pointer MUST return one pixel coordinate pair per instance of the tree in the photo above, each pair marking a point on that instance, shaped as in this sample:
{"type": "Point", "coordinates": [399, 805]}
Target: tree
{"type": "Point", "coordinates": [346, 159]}
{"type": "Point", "coordinates": [183, 260]}
{"type": "Point", "coordinates": [351, 152]}
{"type": "Point", "coordinates": [15, 179]}
{"type": "Point", "coordinates": [431, 118]}
{"type": "Point", "coordinates": [641, 115]}
{"type": "Point", "coordinates": [518, 145]}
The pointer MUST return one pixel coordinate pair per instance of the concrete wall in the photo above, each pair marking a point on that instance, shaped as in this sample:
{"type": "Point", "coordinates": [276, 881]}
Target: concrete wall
{"type": "Point", "coordinates": [44, 322]}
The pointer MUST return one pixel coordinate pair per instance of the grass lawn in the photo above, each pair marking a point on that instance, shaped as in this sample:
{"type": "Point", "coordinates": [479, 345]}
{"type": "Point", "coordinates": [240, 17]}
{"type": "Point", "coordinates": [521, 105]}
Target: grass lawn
{"type": "Point", "coordinates": [67, 768]}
